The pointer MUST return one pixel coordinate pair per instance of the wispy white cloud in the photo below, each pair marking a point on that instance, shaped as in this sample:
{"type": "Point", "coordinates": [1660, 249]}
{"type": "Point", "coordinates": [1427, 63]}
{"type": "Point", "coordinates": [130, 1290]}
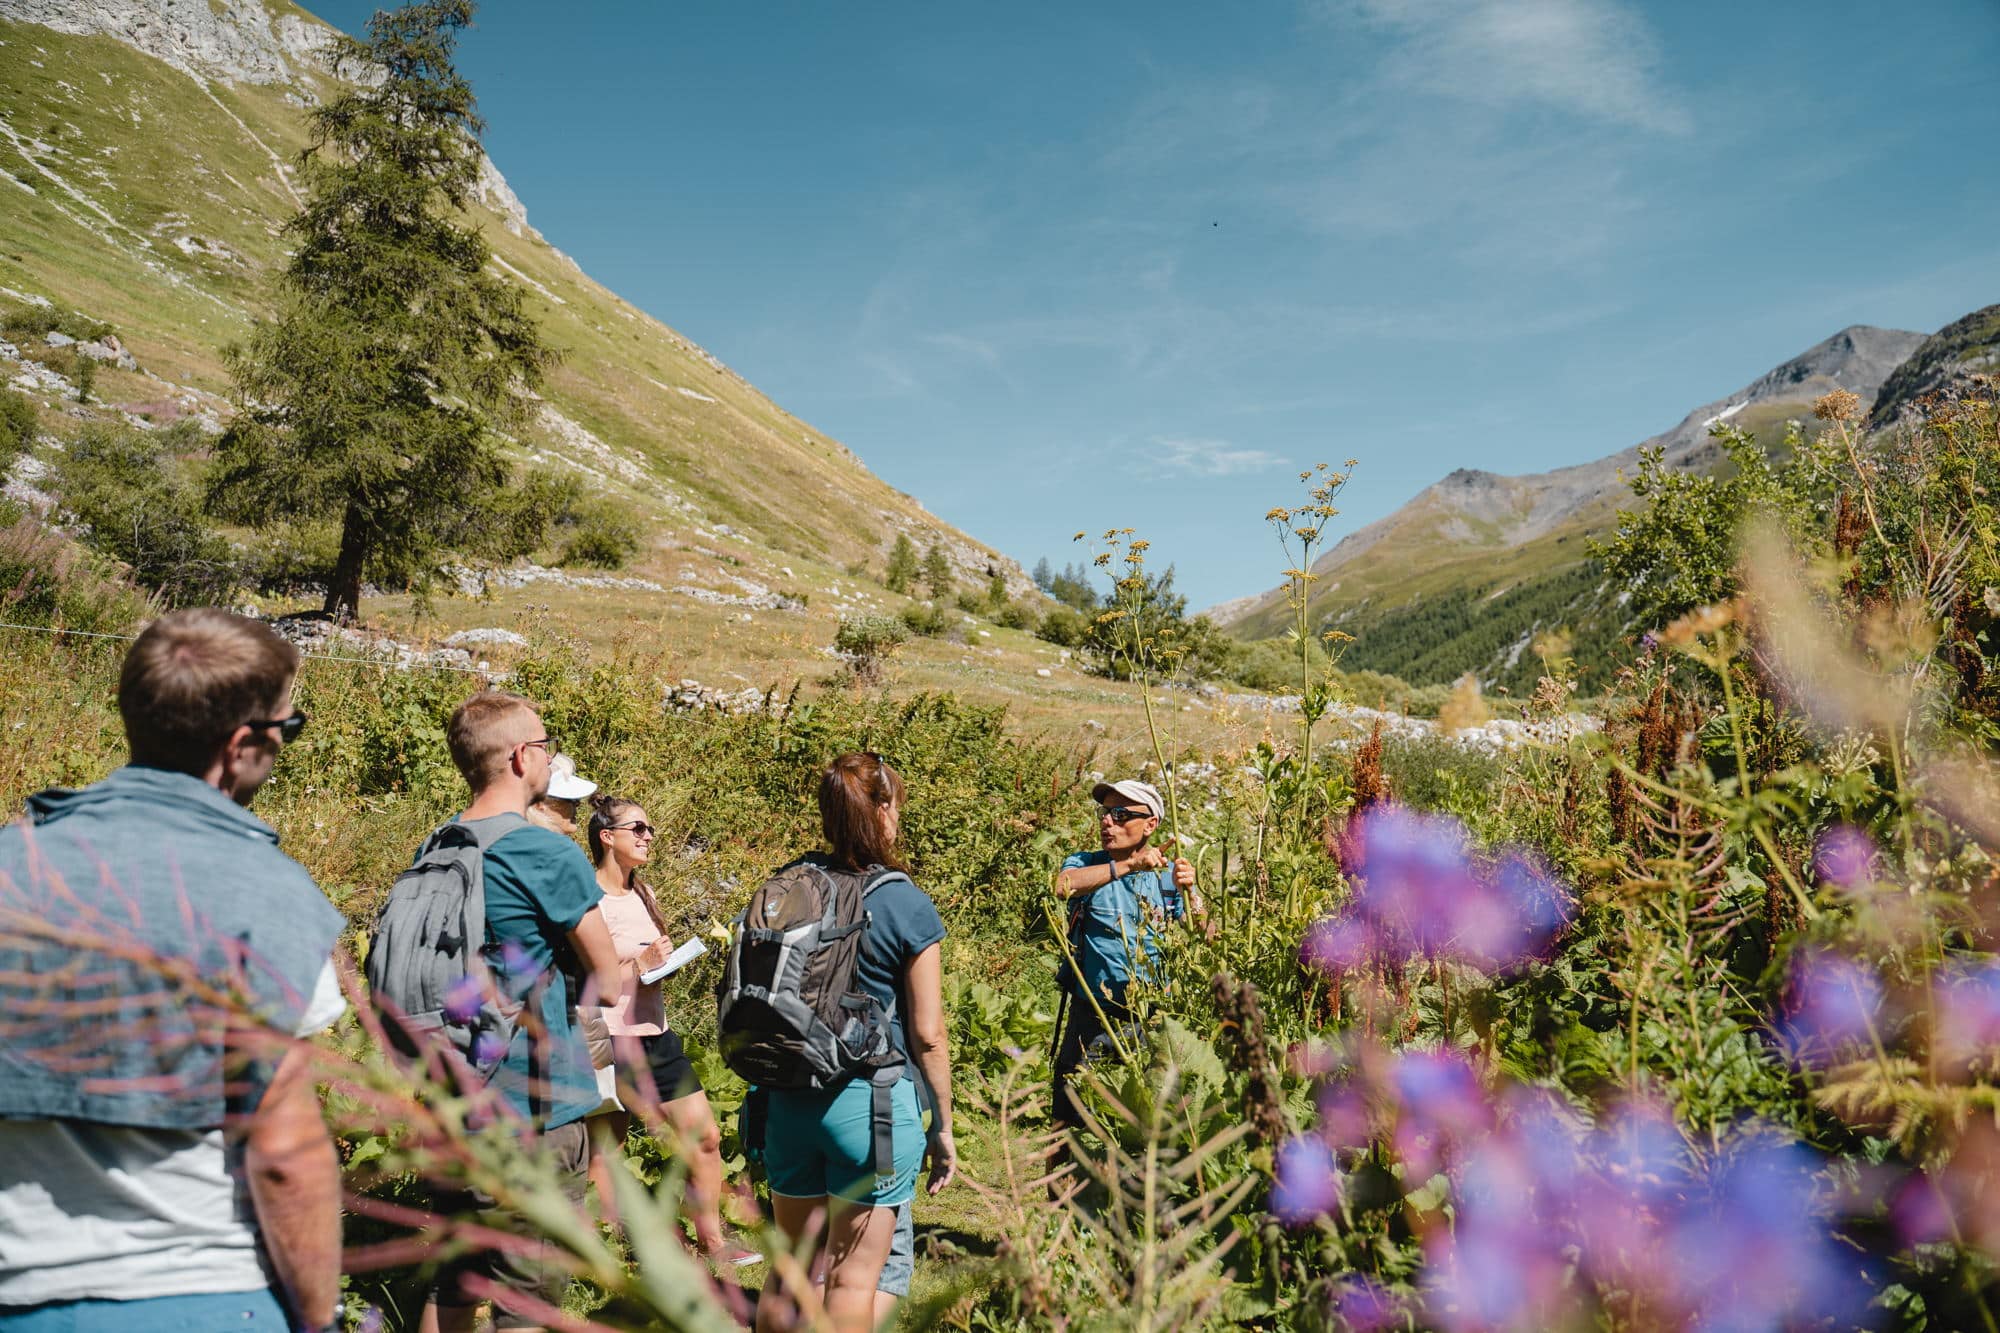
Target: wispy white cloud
{"type": "Point", "coordinates": [1594, 58]}
{"type": "Point", "coordinates": [1211, 458]}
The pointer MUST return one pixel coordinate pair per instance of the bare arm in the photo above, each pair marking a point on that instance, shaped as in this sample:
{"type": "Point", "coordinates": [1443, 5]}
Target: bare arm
{"type": "Point", "coordinates": [604, 981]}
{"type": "Point", "coordinates": [294, 1179]}
{"type": "Point", "coordinates": [1084, 879]}
{"type": "Point", "coordinates": [930, 1046]}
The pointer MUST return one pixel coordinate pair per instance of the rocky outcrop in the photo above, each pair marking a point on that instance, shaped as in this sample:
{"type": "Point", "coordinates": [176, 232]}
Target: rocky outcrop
{"type": "Point", "coordinates": [235, 41]}
{"type": "Point", "coordinates": [1947, 367]}
{"type": "Point", "coordinates": [216, 39]}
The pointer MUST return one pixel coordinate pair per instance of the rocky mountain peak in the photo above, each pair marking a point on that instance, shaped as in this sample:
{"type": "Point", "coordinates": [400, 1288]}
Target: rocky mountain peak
{"type": "Point", "coordinates": [1859, 357]}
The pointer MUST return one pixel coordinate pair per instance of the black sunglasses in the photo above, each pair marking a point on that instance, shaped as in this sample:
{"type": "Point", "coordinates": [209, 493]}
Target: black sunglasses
{"type": "Point", "coordinates": [640, 828]}
{"type": "Point", "coordinates": [288, 728]}
{"type": "Point", "coordinates": [1121, 815]}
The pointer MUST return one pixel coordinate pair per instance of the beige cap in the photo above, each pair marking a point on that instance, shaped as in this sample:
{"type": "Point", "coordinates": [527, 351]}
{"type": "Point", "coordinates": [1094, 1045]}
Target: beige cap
{"type": "Point", "coordinates": [1139, 793]}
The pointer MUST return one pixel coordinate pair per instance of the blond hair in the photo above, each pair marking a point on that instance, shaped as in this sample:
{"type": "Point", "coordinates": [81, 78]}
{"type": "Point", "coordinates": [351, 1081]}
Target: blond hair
{"type": "Point", "coordinates": [192, 678]}
{"type": "Point", "coordinates": [481, 735]}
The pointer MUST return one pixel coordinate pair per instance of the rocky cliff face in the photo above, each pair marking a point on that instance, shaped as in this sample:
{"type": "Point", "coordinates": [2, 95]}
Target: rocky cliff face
{"type": "Point", "coordinates": [234, 41]}
{"type": "Point", "coordinates": [214, 39]}
{"type": "Point", "coordinates": [1945, 367]}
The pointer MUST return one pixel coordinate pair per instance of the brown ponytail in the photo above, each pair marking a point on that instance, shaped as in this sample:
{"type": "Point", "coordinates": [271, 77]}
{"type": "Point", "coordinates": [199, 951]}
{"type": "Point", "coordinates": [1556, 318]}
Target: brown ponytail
{"type": "Point", "coordinates": [853, 791]}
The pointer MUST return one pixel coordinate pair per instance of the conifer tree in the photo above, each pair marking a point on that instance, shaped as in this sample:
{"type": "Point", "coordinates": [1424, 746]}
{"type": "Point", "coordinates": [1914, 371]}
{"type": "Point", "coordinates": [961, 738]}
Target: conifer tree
{"type": "Point", "coordinates": [371, 401]}
{"type": "Point", "coordinates": [937, 572]}
{"type": "Point", "coordinates": [902, 565]}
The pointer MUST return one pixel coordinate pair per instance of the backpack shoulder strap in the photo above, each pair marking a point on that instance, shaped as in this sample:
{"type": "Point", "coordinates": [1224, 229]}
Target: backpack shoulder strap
{"type": "Point", "coordinates": [877, 876]}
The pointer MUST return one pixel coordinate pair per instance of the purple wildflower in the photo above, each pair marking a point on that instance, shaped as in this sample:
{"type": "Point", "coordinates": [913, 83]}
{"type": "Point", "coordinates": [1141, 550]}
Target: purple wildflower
{"type": "Point", "coordinates": [1366, 1307]}
{"type": "Point", "coordinates": [1845, 856]}
{"type": "Point", "coordinates": [1919, 1212]}
{"type": "Point", "coordinates": [1966, 1005]}
{"type": "Point", "coordinates": [1338, 942]}
{"type": "Point", "coordinates": [462, 1000]}
{"type": "Point", "coordinates": [1833, 1005]}
{"type": "Point", "coordinates": [1345, 1118]}
{"type": "Point", "coordinates": [1420, 894]}
{"type": "Point", "coordinates": [1307, 1185]}
{"type": "Point", "coordinates": [488, 1048]}
{"type": "Point", "coordinates": [516, 961]}
{"type": "Point", "coordinates": [1440, 1105]}
{"type": "Point", "coordinates": [1755, 1252]}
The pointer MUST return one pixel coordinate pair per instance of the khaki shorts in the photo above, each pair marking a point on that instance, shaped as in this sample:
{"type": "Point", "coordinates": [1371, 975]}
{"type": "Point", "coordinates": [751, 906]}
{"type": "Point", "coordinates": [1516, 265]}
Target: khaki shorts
{"type": "Point", "coordinates": [531, 1273]}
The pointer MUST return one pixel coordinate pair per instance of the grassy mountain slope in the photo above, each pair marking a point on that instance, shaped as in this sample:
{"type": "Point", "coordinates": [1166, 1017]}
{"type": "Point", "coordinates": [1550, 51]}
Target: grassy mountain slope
{"type": "Point", "coordinates": [146, 189]}
{"type": "Point", "coordinates": [151, 197]}
{"type": "Point", "coordinates": [1467, 573]}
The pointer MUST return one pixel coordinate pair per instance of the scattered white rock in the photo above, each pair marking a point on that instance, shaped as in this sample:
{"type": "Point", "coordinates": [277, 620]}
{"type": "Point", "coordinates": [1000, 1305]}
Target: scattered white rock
{"type": "Point", "coordinates": [1044, 673]}
{"type": "Point", "coordinates": [478, 582]}
{"type": "Point", "coordinates": [55, 339]}
{"type": "Point", "coordinates": [314, 635]}
{"type": "Point", "coordinates": [758, 601]}
{"type": "Point", "coordinates": [691, 696]}
{"type": "Point", "coordinates": [469, 638]}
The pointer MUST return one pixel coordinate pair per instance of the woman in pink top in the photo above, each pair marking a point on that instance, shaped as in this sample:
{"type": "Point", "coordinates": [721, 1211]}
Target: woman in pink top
{"type": "Point", "coordinates": [621, 841]}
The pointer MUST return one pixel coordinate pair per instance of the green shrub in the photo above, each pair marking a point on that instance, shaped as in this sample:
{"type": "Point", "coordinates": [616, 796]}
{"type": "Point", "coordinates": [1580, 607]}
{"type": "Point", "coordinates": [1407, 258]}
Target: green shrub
{"type": "Point", "coordinates": [18, 426]}
{"type": "Point", "coordinates": [601, 534]}
{"type": "Point", "coordinates": [868, 642]}
{"type": "Point", "coordinates": [929, 620]}
{"type": "Point", "coordinates": [39, 321]}
{"type": "Point", "coordinates": [46, 579]}
{"type": "Point", "coordinates": [1063, 626]}
{"type": "Point", "coordinates": [1015, 615]}
{"type": "Point", "coordinates": [141, 508]}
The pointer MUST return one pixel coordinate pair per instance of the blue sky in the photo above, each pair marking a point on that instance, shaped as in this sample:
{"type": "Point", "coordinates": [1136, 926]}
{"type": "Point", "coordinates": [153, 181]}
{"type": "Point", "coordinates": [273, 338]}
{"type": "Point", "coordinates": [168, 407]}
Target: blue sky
{"type": "Point", "coordinates": [1052, 267]}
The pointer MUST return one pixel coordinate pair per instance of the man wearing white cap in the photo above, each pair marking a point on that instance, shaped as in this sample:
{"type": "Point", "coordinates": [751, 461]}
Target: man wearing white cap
{"type": "Point", "coordinates": [1118, 895]}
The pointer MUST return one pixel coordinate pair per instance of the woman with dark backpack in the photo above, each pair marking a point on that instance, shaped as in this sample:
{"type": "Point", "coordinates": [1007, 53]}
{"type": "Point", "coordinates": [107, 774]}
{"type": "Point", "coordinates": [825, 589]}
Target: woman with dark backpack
{"type": "Point", "coordinates": [821, 1153]}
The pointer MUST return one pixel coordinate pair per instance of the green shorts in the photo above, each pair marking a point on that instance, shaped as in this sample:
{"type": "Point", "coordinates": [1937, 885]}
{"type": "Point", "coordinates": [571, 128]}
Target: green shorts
{"type": "Point", "coordinates": [822, 1144]}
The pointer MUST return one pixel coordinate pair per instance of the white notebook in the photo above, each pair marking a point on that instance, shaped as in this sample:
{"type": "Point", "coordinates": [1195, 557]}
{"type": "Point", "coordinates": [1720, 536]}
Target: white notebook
{"type": "Point", "coordinates": [676, 960]}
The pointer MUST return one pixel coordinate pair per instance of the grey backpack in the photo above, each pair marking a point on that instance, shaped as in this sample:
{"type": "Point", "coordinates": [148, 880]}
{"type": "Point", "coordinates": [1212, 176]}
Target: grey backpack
{"type": "Point", "coordinates": [429, 963]}
{"type": "Point", "coordinates": [789, 1014]}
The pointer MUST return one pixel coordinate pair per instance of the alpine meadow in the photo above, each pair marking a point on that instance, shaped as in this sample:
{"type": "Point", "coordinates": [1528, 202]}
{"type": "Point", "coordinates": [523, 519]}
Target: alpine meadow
{"type": "Point", "coordinates": [1592, 872]}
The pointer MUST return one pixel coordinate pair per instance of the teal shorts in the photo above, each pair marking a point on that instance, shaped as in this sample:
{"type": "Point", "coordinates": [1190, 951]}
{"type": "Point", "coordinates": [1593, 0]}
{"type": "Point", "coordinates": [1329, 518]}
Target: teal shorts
{"type": "Point", "coordinates": [822, 1144]}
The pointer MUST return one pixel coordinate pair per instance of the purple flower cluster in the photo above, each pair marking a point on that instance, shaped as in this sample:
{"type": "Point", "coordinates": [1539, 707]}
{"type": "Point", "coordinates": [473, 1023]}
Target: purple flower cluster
{"type": "Point", "coordinates": [1421, 893]}
{"type": "Point", "coordinates": [1834, 1008]}
{"type": "Point", "coordinates": [1846, 856]}
{"type": "Point", "coordinates": [1548, 1211]}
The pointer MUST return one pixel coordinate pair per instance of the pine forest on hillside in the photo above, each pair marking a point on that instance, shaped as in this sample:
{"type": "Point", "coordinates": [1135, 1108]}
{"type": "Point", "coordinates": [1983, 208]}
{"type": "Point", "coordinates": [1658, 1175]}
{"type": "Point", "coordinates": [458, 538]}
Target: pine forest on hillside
{"type": "Point", "coordinates": [1599, 870]}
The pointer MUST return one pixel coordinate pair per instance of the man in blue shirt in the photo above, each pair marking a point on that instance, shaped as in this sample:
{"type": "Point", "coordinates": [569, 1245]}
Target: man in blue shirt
{"type": "Point", "coordinates": [163, 1160]}
{"type": "Point", "coordinates": [1119, 896]}
{"type": "Point", "coordinates": [555, 953]}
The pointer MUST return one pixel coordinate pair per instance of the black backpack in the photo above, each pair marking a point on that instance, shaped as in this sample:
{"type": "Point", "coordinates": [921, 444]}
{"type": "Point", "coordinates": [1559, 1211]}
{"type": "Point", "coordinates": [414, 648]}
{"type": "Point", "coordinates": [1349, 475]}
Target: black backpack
{"type": "Point", "coordinates": [789, 1014]}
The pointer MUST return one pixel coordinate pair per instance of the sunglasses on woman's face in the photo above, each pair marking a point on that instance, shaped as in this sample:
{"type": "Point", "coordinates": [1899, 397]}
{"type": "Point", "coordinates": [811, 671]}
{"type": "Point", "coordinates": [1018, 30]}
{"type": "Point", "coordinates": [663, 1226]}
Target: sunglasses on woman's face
{"type": "Point", "coordinates": [1121, 815]}
{"type": "Point", "coordinates": [640, 828]}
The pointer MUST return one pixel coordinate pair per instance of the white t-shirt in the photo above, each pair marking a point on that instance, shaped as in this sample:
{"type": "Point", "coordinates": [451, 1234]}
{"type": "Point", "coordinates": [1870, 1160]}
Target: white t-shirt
{"type": "Point", "coordinates": [110, 1212]}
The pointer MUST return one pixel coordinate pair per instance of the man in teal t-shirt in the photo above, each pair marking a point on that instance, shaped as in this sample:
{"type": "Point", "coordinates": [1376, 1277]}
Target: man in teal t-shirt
{"type": "Point", "coordinates": [1119, 896]}
{"type": "Point", "coordinates": [555, 953]}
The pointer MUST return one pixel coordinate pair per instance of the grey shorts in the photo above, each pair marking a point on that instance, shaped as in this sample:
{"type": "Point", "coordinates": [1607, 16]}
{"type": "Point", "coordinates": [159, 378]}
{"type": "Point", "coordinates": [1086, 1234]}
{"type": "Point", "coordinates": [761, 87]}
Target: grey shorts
{"type": "Point", "coordinates": [902, 1261]}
